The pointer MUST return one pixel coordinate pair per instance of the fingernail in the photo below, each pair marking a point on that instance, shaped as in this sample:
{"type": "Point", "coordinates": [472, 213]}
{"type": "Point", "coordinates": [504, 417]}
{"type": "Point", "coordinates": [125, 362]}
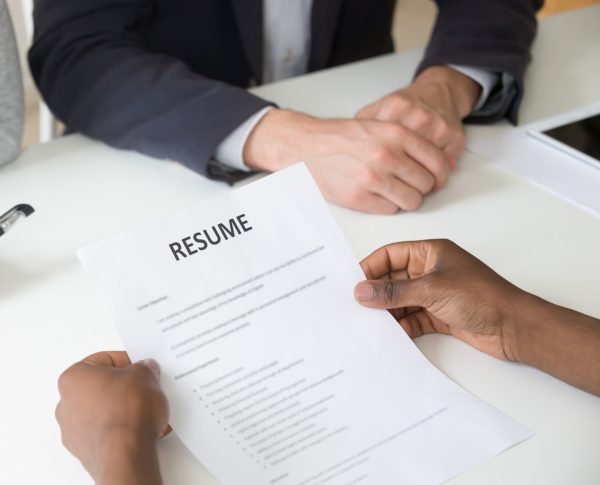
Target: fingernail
{"type": "Point", "coordinates": [453, 163]}
{"type": "Point", "coordinates": [363, 292]}
{"type": "Point", "coordinates": [152, 364]}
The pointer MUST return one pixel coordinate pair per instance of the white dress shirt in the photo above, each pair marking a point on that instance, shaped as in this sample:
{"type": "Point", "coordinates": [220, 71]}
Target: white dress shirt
{"type": "Point", "coordinates": [286, 48]}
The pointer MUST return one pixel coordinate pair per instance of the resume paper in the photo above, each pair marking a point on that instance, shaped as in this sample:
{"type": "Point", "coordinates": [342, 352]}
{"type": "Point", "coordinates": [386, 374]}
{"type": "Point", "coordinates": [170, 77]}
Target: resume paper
{"type": "Point", "coordinates": [274, 374]}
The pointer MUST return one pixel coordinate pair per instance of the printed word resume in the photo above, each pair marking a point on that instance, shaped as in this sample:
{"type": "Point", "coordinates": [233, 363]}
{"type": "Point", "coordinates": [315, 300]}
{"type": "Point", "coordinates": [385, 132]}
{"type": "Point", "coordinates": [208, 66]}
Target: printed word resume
{"type": "Point", "coordinates": [274, 374]}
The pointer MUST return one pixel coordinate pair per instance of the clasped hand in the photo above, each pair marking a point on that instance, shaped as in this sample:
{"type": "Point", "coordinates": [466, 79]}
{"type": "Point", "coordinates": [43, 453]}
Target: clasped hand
{"type": "Point", "coordinates": [389, 157]}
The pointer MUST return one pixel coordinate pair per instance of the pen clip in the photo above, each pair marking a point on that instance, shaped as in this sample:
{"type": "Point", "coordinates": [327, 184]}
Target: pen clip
{"type": "Point", "coordinates": [9, 218]}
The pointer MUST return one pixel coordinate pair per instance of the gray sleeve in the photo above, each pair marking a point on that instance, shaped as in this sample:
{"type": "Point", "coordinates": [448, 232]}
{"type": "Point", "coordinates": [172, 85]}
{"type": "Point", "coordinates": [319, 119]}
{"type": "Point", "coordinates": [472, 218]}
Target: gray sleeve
{"type": "Point", "coordinates": [11, 90]}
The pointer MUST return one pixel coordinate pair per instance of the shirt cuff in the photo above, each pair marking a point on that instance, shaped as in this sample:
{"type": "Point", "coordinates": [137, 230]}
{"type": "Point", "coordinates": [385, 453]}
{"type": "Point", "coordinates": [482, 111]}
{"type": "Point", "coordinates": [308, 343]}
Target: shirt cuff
{"type": "Point", "coordinates": [231, 150]}
{"type": "Point", "coordinates": [487, 79]}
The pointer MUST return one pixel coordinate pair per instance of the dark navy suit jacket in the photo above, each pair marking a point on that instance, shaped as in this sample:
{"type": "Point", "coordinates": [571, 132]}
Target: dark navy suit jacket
{"type": "Point", "coordinates": [168, 77]}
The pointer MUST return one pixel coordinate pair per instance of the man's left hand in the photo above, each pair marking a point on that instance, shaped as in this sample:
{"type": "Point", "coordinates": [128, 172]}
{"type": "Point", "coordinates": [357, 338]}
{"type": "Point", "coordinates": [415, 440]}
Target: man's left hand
{"type": "Point", "coordinates": [434, 106]}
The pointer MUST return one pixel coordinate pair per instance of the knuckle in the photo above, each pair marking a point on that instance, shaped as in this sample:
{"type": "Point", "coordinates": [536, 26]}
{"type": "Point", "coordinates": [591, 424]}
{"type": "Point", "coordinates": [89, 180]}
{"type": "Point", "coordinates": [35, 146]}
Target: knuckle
{"type": "Point", "coordinates": [399, 101]}
{"type": "Point", "coordinates": [369, 178]}
{"type": "Point", "coordinates": [388, 292]}
{"type": "Point", "coordinates": [440, 168]}
{"type": "Point", "coordinates": [389, 165]}
{"type": "Point", "coordinates": [426, 116]}
{"type": "Point", "coordinates": [378, 153]}
{"type": "Point", "coordinates": [429, 284]}
{"type": "Point", "coordinates": [413, 202]}
{"type": "Point", "coordinates": [355, 197]}
{"type": "Point", "coordinates": [423, 119]}
{"type": "Point", "coordinates": [443, 245]}
{"type": "Point", "coordinates": [443, 133]}
{"type": "Point", "coordinates": [141, 372]}
{"type": "Point", "coordinates": [429, 183]}
{"type": "Point", "coordinates": [58, 412]}
{"type": "Point", "coordinates": [63, 380]}
{"type": "Point", "coordinates": [442, 179]}
{"type": "Point", "coordinates": [450, 245]}
{"type": "Point", "coordinates": [137, 398]}
{"type": "Point", "coordinates": [396, 131]}
{"type": "Point", "coordinates": [439, 138]}
{"type": "Point", "coordinates": [445, 126]}
{"type": "Point", "coordinates": [438, 161]}
{"type": "Point", "coordinates": [419, 178]}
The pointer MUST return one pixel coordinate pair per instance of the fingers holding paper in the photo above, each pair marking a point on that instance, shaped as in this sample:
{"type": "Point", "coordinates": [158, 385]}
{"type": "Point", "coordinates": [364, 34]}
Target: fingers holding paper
{"type": "Point", "coordinates": [437, 287]}
{"type": "Point", "coordinates": [109, 408]}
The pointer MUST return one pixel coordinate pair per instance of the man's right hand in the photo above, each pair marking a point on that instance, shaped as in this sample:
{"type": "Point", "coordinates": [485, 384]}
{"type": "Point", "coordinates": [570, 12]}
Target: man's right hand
{"type": "Point", "coordinates": [368, 165]}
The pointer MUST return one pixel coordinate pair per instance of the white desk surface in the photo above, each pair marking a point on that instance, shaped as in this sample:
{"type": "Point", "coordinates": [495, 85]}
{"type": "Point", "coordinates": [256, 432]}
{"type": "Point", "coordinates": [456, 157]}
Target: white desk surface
{"type": "Point", "coordinates": [84, 191]}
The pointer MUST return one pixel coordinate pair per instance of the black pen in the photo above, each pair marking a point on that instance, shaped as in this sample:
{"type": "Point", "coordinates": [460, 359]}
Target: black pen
{"type": "Point", "coordinates": [8, 219]}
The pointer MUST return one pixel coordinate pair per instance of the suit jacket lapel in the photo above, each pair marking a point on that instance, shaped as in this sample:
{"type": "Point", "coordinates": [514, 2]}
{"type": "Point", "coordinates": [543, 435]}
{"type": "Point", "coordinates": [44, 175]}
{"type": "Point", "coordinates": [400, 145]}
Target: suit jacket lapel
{"type": "Point", "coordinates": [324, 20]}
{"type": "Point", "coordinates": [249, 17]}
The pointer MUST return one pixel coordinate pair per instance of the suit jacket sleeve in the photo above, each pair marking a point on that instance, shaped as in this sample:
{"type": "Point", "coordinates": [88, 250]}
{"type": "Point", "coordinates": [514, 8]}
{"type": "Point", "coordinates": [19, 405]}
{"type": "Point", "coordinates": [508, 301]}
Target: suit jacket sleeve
{"type": "Point", "coordinates": [489, 34]}
{"type": "Point", "coordinates": [99, 79]}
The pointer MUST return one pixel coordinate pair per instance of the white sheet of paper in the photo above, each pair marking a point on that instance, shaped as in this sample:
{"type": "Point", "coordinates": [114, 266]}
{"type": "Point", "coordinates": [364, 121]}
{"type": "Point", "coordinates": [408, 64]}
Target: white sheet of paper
{"type": "Point", "coordinates": [554, 170]}
{"type": "Point", "coordinates": [274, 374]}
